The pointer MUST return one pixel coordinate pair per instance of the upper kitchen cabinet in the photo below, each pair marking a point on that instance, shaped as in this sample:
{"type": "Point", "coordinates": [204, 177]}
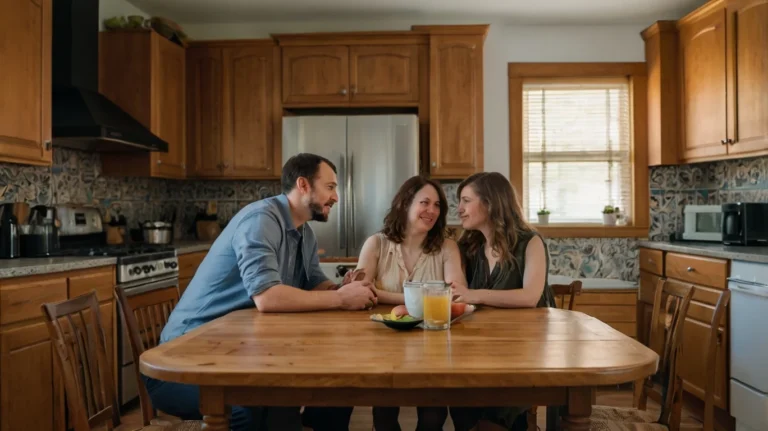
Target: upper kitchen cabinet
{"type": "Point", "coordinates": [661, 59]}
{"type": "Point", "coordinates": [747, 67]}
{"type": "Point", "coordinates": [351, 69]}
{"type": "Point", "coordinates": [144, 74]}
{"type": "Point", "coordinates": [455, 99]}
{"type": "Point", "coordinates": [723, 82]}
{"type": "Point", "coordinates": [25, 87]}
{"type": "Point", "coordinates": [234, 120]}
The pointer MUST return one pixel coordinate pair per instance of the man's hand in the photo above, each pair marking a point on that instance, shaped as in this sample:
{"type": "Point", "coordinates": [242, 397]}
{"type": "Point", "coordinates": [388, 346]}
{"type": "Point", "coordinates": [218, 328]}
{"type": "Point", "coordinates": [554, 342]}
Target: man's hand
{"type": "Point", "coordinates": [357, 295]}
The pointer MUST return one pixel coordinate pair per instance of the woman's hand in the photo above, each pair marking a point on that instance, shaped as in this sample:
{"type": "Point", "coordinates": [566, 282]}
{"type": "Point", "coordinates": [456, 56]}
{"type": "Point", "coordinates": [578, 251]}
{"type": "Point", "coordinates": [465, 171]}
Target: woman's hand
{"type": "Point", "coordinates": [461, 293]}
{"type": "Point", "coordinates": [353, 275]}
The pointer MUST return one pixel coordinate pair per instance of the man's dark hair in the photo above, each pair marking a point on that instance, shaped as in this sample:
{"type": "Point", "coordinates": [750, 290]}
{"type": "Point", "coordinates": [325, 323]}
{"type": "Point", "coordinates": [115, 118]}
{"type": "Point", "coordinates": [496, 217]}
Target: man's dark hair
{"type": "Point", "coordinates": [302, 165]}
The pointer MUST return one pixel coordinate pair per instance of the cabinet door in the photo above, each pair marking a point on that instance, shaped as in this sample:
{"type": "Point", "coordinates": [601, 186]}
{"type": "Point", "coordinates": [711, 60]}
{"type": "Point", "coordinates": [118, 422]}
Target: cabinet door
{"type": "Point", "coordinates": [25, 87]}
{"type": "Point", "coordinates": [31, 396]}
{"type": "Point", "coordinates": [748, 88]}
{"type": "Point", "coordinates": [169, 108]}
{"type": "Point", "coordinates": [315, 74]}
{"type": "Point", "coordinates": [384, 74]}
{"type": "Point", "coordinates": [205, 85]}
{"type": "Point", "coordinates": [703, 85]}
{"type": "Point", "coordinates": [248, 135]}
{"type": "Point", "coordinates": [456, 105]}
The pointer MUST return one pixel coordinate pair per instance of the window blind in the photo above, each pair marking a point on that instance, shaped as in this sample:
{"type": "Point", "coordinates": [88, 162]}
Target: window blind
{"type": "Point", "coordinates": [576, 148]}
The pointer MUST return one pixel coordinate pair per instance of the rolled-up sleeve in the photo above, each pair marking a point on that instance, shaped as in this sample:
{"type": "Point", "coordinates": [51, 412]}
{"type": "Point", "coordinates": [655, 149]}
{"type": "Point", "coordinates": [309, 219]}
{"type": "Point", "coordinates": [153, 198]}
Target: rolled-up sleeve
{"type": "Point", "coordinates": [316, 274]}
{"type": "Point", "coordinates": [256, 243]}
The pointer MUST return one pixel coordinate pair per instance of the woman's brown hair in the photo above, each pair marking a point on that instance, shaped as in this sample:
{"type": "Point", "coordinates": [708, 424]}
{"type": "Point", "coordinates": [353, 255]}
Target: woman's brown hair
{"type": "Point", "coordinates": [396, 219]}
{"type": "Point", "coordinates": [504, 213]}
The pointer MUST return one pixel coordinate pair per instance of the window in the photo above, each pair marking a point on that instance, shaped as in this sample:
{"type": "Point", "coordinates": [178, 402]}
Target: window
{"type": "Point", "coordinates": [576, 148]}
{"type": "Point", "coordinates": [578, 142]}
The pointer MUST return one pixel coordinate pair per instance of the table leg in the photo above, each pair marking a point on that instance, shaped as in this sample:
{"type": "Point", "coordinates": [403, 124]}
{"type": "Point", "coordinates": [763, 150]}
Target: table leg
{"type": "Point", "coordinates": [215, 412]}
{"type": "Point", "coordinates": [579, 409]}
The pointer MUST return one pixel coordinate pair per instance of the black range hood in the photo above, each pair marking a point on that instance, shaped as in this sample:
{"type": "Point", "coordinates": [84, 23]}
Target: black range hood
{"type": "Point", "coordinates": [81, 117]}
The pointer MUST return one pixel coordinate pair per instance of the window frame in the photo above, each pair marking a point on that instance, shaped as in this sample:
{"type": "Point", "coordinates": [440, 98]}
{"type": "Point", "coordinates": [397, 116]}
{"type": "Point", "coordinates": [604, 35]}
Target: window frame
{"type": "Point", "coordinates": [636, 72]}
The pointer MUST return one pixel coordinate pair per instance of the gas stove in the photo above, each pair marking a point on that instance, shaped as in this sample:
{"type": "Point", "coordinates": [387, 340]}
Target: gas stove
{"type": "Point", "coordinates": [134, 261]}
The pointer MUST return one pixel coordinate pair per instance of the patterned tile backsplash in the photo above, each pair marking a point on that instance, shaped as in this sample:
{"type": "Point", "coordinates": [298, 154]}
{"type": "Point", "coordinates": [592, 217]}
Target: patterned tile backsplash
{"type": "Point", "coordinates": [714, 183]}
{"type": "Point", "coordinates": [75, 177]}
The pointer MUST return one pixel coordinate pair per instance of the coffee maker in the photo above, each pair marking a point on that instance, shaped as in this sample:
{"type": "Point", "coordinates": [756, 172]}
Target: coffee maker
{"type": "Point", "coordinates": [9, 232]}
{"type": "Point", "coordinates": [40, 237]}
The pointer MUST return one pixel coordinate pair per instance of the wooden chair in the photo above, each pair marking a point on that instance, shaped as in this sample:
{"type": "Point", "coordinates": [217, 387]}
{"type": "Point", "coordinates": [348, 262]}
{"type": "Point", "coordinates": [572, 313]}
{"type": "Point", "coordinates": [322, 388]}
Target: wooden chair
{"type": "Point", "coordinates": [561, 291]}
{"type": "Point", "coordinates": [145, 314]}
{"type": "Point", "coordinates": [78, 337]}
{"type": "Point", "coordinates": [670, 309]}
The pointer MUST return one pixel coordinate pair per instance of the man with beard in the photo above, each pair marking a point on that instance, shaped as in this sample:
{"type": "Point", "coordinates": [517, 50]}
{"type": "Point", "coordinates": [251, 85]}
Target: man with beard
{"type": "Point", "coordinates": [266, 258]}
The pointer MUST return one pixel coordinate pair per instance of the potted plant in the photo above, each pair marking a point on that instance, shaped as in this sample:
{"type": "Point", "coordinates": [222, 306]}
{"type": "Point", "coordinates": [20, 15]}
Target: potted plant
{"type": "Point", "coordinates": [543, 216]}
{"type": "Point", "coordinates": [609, 215]}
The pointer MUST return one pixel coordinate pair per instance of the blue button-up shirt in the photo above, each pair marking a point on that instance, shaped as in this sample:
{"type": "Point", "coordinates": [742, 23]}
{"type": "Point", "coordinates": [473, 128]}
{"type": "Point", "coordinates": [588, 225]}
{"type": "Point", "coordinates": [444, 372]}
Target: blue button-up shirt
{"type": "Point", "coordinates": [259, 248]}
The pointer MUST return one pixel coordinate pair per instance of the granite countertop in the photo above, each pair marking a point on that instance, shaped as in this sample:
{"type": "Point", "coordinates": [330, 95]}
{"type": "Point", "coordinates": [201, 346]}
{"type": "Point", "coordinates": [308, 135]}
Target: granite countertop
{"type": "Point", "coordinates": [191, 246]}
{"type": "Point", "coordinates": [733, 252]}
{"type": "Point", "coordinates": [26, 266]}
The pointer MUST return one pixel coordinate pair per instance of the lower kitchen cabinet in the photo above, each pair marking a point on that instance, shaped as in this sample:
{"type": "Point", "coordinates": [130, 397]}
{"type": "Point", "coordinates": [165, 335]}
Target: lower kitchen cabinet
{"type": "Point", "coordinates": [709, 277]}
{"type": "Point", "coordinates": [188, 264]}
{"type": "Point", "coordinates": [616, 307]}
{"type": "Point", "coordinates": [32, 393]}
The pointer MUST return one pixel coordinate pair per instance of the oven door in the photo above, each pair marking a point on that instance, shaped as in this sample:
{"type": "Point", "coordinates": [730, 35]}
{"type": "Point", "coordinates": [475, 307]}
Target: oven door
{"type": "Point", "coordinates": [127, 391]}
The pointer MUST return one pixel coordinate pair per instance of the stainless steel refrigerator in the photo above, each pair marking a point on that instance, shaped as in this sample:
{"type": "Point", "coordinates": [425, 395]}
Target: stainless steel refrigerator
{"type": "Point", "coordinates": [373, 154]}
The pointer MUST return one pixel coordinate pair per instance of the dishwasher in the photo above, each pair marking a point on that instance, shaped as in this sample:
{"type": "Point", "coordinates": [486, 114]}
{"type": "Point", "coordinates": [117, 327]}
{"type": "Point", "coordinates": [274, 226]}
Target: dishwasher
{"type": "Point", "coordinates": [749, 345]}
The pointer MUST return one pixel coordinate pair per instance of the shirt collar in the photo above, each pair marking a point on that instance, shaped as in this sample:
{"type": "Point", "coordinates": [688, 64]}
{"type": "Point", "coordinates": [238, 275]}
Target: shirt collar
{"type": "Point", "coordinates": [285, 213]}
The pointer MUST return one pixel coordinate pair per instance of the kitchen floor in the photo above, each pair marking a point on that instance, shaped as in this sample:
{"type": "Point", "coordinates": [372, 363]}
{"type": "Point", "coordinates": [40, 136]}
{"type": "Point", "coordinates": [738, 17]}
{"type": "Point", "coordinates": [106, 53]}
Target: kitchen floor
{"type": "Point", "coordinates": [361, 417]}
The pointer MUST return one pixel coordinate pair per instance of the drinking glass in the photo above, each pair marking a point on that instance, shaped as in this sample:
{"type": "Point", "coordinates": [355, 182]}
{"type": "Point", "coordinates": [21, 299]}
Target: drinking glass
{"type": "Point", "coordinates": [413, 298]}
{"type": "Point", "coordinates": [437, 305]}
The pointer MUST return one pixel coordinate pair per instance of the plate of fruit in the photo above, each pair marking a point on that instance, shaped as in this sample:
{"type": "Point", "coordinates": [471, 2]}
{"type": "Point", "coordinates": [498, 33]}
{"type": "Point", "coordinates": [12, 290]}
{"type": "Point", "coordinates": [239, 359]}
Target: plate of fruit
{"type": "Point", "coordinates": [398, 318]}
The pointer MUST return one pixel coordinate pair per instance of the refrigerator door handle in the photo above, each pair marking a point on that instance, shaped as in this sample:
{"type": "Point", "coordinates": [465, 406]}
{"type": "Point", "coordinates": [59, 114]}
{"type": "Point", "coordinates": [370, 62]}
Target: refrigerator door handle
{"type": "Point", "coordinates": [351, 192]}
{"type": "Point", "coordinates": [342, 215]}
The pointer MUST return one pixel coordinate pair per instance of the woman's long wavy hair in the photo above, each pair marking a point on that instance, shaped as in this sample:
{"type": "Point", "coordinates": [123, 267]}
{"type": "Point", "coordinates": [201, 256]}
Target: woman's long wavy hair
{"type": "Point", "coordinates": [396, 220]}
{"type": "Point", "coordinates": [504, 213]}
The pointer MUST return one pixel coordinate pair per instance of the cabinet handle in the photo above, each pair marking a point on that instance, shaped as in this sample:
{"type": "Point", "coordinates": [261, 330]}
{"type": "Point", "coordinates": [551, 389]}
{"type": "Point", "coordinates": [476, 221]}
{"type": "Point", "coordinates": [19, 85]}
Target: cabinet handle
{"type": "Point", "coordinates": [731, 141]}
{"type": "Point", "coordinates": [434, 164]}
{"type": "Point", "coordinates": [723, 141]}
{"type": "Point", "coordinates": [343, 91]}
{"type": "Point", "coordinates": [47, 145]}
{"type": "Point", "coordinates": [650, 261]}
{"type": "Point", "coordinates": [159, 162]}
{"type": "Point", "coordinates": [689, 269]}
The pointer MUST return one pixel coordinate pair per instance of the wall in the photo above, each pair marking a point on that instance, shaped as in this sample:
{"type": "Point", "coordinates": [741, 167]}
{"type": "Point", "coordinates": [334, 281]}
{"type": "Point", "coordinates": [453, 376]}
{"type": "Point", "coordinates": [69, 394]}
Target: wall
{"type": "Point", "coordinates": [673, 187]}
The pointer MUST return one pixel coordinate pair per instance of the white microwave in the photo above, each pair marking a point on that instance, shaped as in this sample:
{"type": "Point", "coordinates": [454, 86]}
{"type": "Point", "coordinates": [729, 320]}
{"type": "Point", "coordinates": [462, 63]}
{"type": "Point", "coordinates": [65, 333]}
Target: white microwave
{"type": "Point", "coordinates": [703, 222]}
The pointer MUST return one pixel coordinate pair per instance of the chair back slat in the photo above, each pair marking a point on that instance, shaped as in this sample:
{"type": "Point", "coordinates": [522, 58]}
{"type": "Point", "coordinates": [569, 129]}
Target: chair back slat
{"type": "Point", "coordinates": [80, 342]}
{"type": "Point", "coordinates": [569, 290]}
{"type": "Point", "coordinates": [145, 314]}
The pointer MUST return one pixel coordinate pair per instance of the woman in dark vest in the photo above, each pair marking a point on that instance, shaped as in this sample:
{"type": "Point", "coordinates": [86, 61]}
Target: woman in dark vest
{"type": "Point", "coordinates": [506, 263]}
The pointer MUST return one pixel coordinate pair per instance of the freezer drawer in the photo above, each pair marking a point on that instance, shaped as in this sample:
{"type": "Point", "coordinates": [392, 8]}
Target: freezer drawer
{"type": "Point", "coordinates": [749, 407]}
{"type": "Point", "coordinates": [749, 340]}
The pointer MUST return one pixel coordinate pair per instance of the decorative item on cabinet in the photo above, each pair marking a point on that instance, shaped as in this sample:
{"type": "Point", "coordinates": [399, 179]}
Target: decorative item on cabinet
{"type": "Point", "coordinates": [25, 50]}
{"type": "Point", "coordinates": [234, 122]}
{"type": "Point", "coordinates": [144, 73]}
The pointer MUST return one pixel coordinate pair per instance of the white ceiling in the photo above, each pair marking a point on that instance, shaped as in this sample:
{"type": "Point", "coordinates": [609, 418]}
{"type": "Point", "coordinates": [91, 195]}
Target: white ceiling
{"type": "Point", "coordinates": [566, 12]}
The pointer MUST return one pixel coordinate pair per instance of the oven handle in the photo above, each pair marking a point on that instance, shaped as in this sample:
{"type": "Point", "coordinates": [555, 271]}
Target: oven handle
{"type": "Point", "coordinates": [163, 283]}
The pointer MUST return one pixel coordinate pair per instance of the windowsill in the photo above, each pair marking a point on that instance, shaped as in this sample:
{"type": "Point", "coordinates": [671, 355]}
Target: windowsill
{"type": "Point", "coordinates": [589, 230]}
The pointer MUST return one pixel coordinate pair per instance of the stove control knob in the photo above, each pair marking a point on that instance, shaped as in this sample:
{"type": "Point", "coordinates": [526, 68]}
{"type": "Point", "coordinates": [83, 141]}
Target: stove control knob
{"type": "Point", "coordinates": [136, 270]}
{"type": "Point", "coordinates": [174, 265]}
{"type": "Point", "coordinates": [146, 269]}
{"type": "Point", "coordinates": [167, 264]}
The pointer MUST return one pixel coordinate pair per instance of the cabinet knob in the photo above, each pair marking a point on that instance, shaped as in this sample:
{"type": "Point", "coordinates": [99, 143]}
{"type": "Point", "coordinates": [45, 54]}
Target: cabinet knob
{"type": "Point", "coordinates": [650, 261]}
{"type": "Point", "coordinates": [159, 162]}
{"type": "Point", "coordinates": [343, 91]}
{"type": "Point", "coordinates": [434, 164]}
{"type": "Point", "coordinates": [723, 141]}
{"type": "Point", "coordinates": [730, 141]}
{"type": "Point", "coordinates": [689, 269]}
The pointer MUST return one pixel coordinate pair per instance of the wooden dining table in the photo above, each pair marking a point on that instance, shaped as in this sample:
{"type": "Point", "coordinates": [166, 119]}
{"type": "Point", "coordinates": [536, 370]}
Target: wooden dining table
{"type": "Point", "coordinates": [491, 357]}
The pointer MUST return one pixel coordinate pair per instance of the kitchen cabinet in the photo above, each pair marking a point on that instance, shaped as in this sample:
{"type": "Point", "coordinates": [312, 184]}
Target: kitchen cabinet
{"type": "Point", "coordinates": [31, 389]}
{"type": "Point", "coordinates": [709, 277]}
{"type": "Point", "coordinates": [615, 307]}
{"type": "Point", "coordinates": [340, 74]}
{"type": "Point", "coordinates": [716, 101]}
{"type": "Point", "coordinates": [188, 264]}
{"type": "Point", "coordinates": [144, 74]}
{"type": "Point", "coordinates": [234, 122]}
{"type": "Point", "coordinates": [25, 89]}
{"type": "Point", "coordinates": [456, 104]}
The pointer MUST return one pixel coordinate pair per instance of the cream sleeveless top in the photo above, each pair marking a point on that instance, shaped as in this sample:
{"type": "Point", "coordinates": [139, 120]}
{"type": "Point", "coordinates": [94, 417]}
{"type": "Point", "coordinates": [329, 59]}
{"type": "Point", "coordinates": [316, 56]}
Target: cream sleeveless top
{"type": "Point", "coordinates": [391, 271]}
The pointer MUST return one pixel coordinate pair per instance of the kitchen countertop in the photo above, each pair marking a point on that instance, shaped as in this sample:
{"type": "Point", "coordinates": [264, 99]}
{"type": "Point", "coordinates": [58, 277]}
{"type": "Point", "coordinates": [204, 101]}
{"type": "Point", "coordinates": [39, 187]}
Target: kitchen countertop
{"type": "Point", "coordinates": [594, 284]}
{"type": "Point", "coordinates": [26, 266]}
{"type": "Point", "coordinates": [191, 246]}
{"type": "Point", "coordinates": [733, 252]}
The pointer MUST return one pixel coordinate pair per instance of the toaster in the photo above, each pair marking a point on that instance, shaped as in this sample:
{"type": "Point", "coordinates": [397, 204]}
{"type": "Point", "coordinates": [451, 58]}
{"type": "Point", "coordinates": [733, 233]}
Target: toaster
{"type": "Point", "coordinates": [79, 220]}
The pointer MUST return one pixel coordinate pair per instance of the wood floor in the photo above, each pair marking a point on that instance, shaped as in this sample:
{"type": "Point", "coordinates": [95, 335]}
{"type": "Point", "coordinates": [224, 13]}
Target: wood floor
{"type": "Point", "coordinates": [361, 418]}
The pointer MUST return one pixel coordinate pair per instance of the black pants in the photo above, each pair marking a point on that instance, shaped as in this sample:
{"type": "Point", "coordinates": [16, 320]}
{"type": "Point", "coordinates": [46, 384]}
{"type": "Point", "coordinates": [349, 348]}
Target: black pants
{"type": "Point", "coordinates": [183, 401]}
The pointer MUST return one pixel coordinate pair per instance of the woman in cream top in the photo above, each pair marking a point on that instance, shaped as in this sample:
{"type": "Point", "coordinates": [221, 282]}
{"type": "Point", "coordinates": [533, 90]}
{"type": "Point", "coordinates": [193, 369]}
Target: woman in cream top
{"type": "Point", "coordinates": [412, 245]}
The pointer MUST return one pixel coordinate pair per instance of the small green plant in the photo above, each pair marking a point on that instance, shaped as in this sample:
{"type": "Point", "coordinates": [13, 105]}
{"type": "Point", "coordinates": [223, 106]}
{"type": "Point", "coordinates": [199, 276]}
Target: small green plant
{"type": "Point", "coordinates": [543, 211]}
{"type": "Point", "coordinates": [609, 209]}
